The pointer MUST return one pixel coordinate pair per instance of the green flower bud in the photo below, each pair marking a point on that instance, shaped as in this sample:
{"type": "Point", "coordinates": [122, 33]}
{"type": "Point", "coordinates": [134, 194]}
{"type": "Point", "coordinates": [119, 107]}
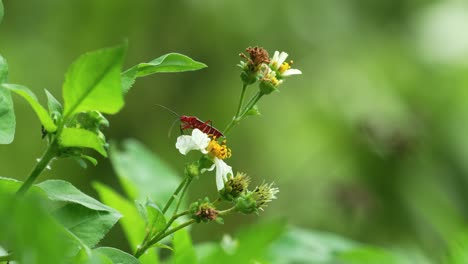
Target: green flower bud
{"type": "Point", "coordinates": [247, 203]}
{"type": "Point", "coordinates": [251, 201]}
{"type": "Point", "coordinates": [203, 210]}
{"type": "Point", "coordinates": [235, 186]}
{"type": "Point", "coordinates": [248, 77]}
{"type": "Point", "coordinates": [192, 169]}
{"type": "Point", "coordinates": [267, 87]}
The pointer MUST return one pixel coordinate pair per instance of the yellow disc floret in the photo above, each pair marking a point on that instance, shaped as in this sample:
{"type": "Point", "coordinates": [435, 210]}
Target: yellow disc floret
{"type": "Point", "coordinates": [220, 151]}
{"type": "Point", "coordinates": [284, 67]}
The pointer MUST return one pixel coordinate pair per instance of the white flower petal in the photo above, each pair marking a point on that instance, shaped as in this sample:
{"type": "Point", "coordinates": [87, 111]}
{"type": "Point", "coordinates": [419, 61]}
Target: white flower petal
{"type": "Point", "coordinates": [282, 57]}
{"type": "Point", "coordinates": [208, 169]}
{"type": "Point", "coordinates": [197, 141]}
{"type": "Point", "coordinates": [291, 72]}
{"type": "Point", "coordinates": [275, 56]}
{"type": "Point", "coordinates": [222, 172]}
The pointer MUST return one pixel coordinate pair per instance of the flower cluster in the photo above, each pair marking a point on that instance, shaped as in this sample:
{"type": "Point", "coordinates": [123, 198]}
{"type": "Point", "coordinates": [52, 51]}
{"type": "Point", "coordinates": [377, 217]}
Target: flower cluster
{"type": "Point", "coordinates": [269, 71]}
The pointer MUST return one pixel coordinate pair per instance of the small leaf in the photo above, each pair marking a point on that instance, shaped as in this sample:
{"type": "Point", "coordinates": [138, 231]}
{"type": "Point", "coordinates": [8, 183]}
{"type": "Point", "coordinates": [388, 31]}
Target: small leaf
{"type": "Point", "coordinates": [142, 211]}
{"type": "Point", "coordinates": [81, 138]}
{"type": "Point", "coordinates": [117, 256]}
{"type": "Point", "coordinates": [29, 96]}
{"type": "Point", "coordinates": [172, 62]}
{"type": "Point", "coordinates": [53, 104]}
{"type": "Point", "coordinates": [253, 111]}
{"type": "Point", "coordinates": [156, 219]}
{"type": "Point", "coordinates": [184, 253]}
{"type": "Point", "coordinates": [93, 82]}
{"type": "Point", "coordinates": [132, 224]}
{"type": "Point", "coordinates": [7, 114]}
{"type": "Point", "coordinates": [159, 245]}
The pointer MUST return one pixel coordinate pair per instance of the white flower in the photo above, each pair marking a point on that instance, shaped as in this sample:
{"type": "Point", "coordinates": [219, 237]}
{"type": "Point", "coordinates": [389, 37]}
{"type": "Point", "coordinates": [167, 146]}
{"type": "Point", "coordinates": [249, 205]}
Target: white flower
{"type": "Point", "coordinates": [197, 141]}
{"type": "Point", "coordinates": [278, 63]}
{"type": "Point", "coordinates": [200, 141]}
{"type": "Point", "coordinates": [222, 172]}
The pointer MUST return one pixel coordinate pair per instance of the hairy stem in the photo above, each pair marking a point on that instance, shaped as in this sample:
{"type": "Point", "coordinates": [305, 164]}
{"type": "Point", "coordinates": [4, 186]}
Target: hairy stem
{"type": "Point", "coordinates": [49, 154]}
{"type": "Point", "coordinates": [175, 229]}
{"type": "Point", "coordinates": [227, 211]}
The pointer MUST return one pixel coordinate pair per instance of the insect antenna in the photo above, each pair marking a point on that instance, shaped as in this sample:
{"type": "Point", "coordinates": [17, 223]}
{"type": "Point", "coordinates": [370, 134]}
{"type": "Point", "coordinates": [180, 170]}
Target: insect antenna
{"type": "Point", "coordinates": [168, 109]}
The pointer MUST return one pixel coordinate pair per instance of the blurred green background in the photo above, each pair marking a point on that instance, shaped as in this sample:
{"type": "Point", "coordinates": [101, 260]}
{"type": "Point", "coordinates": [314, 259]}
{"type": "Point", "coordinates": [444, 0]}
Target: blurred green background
{"type": "Point", "coordinates": [370, 142]}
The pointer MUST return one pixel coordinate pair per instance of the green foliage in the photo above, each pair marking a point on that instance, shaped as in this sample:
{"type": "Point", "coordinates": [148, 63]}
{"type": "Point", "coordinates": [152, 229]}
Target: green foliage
{"type": "Point", "coordinates": [252, 244]}
{"type": "Point", "coordinates": [82, 138]}
{"type": "Point", "coordinates": [1, 10]}
{"type": "Point", "coordinates": [31, 98]}
{"type": "Point", "coordinates": [156, 220]}
{"type": "Point", "coordinates": [93, 82]}
{"type": "Point", "coordinates": [184, 253]}
{"type": "Point", "coordinates": [29, 231]}
{"type": "Point", "coordinates": [172, 62]}
{"type": "Point", "coordinates": [7, 114]}
{"type": "Point", "coordinates": [117, 256]}
{"type": "Point", "coordinates": [54, 106]}
{"type": "Point", "coordinates": [132, 223]}
{"type": "Point", "coordinates": [142, 173]}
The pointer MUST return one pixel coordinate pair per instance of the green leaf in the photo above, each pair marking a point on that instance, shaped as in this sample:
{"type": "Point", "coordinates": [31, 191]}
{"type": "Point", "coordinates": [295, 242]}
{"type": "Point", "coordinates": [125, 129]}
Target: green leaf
{"type": "Point", "coordinates": [81, 138]}
{"type": "Point", "coordinates": [93, 82]}
{"type": "Point", "coordinates": [90, 226]}
{"type": "Point", "coordinates": [172, 62]}
{"type": "Point", "coordinates": [301, 245]}
{"type": "Point", "coordinates": [55, 108]}
{"type": "Point", "coordinates": [7, 114]}
{"type": "Point", "coordinates": [156, 219]}
{"type": "Point", "coordinates": [31, 98]}
{"type": "Point", "coordinates": [117, 256]}
{"type": "Point", "coordinates": [30, 232]}
{"type": "Point", "coordinates": [370, 255]}
{"type": "Point", "coordinates": [142, 173]}
{"type": "Point", "coordinates": [133, 225]}
{"type": "Point", "coordinates": [184, 253]}
{"type": "Point", "coordinates": [252, 244]}
{"type": "Point", "coordinates": [59, 190]}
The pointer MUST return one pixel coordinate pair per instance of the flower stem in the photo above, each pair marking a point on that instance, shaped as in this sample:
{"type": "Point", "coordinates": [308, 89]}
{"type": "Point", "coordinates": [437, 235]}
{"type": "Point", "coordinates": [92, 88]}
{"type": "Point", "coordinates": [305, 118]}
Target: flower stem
{"type": "Point", "coordinates": [251, 104]}
{"type": "Point", "coordinates": [182, 184]}
{"type": "Point", "coordinates": [227, 211]}
{"type": "Point", "coordinates": [49, 154]}
{"type": "Point", "coordinates": [241, 101]}
{"type": "Point", "coordinates": [177, 228]}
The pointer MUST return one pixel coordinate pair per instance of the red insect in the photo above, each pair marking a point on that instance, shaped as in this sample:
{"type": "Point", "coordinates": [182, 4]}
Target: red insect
{"type": "Point", "coordinates": [193, 122]}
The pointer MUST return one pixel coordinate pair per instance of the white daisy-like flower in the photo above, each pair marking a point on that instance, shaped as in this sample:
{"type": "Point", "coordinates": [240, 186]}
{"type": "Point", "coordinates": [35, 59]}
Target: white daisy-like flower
{"type": "Point", "coordinates": [200, 141]}
{"type": "Point", "coordinates": [197, 141]}
{"type": "Point", "coordinates": [278, 63]}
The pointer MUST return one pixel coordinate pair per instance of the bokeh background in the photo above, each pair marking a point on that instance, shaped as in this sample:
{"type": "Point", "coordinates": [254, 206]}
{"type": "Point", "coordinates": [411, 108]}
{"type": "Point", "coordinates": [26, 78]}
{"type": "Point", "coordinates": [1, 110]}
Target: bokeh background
{"type": "Point", "coordinates": [370, 142]}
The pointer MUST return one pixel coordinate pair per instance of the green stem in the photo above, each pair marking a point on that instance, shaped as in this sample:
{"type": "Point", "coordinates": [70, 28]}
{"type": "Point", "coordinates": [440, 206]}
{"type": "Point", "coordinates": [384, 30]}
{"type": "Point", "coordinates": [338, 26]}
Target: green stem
{"type": "Point", "coordinates": [251, 104]}
{"type": "Point", "coordinates": [189, 180]}
{"type": "Point", "coordinates": [175, 229]}
{"type": "Point", "coordinates": [227, 211]}
{"type": "Point", "coordinates": [241, 101]}
{"type": "Point", "coordinates": [49, 154]}
{"type": "Point", "coordinates": [182, 184]}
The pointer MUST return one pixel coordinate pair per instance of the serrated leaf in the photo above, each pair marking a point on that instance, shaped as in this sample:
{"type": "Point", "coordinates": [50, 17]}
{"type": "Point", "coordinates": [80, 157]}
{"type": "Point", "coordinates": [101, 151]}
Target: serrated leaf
{"type": "Point", "coordinates": [81, 138]}
{"type": "Point", "coordinates": [132, 224]}
{"type": "Point", "coordinates": [90, 226]}
{"type": "Point", "coordinates": [172, 62]}
{"type": "Point", "coordinates": [31, 98]}
{"type": "Point", "coordinates": [7, 114]}
{"type": "Point", "coordinates": [117, 256]}
{"type": "Point", "coordinates": [142, 173]}
{"type": "Point", "coordinates": [184, 253]}
{"type": "Point", "coordinates": [93, 82]}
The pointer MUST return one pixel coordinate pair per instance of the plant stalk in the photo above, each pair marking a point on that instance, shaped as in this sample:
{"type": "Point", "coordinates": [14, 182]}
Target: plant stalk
{"type": "Point", "coordinates": [49, 154]}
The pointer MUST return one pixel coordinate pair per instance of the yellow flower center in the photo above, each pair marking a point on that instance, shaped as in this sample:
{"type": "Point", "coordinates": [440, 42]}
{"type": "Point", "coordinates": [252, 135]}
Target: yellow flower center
{"type": "Point", "coordinates": [284, 67]}
{"type": "Point", "coordinates": [220, 151]}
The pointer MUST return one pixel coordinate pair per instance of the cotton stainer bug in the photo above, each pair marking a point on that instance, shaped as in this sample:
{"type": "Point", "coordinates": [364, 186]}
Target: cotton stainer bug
{"type": "Point", "coordinates": [192, 122]}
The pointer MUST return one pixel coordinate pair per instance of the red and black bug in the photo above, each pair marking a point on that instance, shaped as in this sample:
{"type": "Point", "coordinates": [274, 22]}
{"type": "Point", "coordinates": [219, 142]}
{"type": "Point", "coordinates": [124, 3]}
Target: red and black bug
{"type": "Point", "coordinates": [193, 122]}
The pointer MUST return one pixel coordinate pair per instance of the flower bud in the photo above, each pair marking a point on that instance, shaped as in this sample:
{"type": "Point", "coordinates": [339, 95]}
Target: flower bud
{"type": "Point", "coordinates": [203, 210]}
{"type": "Point", "coordinates": [251, 201]}
{"type": "Point", "coordinates": [235, 186]}
{"type": "Point", "coordinates": [192, 169]}
{"type": "Point", "coordinates": [267, 87]}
